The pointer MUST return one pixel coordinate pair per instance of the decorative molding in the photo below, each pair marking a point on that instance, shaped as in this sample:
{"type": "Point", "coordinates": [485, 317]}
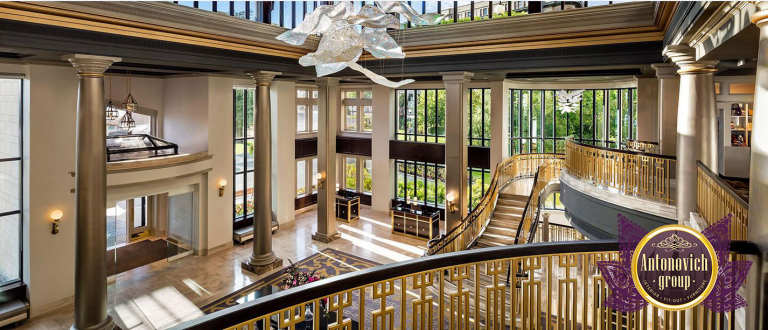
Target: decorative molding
{"type": "Point", "coordinates": [156, 163]}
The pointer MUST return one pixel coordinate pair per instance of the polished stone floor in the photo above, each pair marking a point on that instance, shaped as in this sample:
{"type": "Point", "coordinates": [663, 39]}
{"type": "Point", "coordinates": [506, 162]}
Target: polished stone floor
{"type": "Point", "coordinates": [163, 294]}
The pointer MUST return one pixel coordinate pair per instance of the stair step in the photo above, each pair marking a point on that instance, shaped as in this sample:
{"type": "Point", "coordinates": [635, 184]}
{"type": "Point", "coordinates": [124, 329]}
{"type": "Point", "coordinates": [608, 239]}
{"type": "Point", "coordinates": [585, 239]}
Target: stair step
{"type": "Point", "coordinates": [500, 230]}
{"type": "Point", "coordinates": [506, 224]}
{"type": "Point", "coordinates": [507, 217]}
{"type": "Point", "coordinates": [513, 197]}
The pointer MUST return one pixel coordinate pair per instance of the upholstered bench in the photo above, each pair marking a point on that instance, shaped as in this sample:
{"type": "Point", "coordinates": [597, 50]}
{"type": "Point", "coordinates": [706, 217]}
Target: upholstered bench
{"type": "Point", "coordinates": [13, 311]}
{"type": "Point", "coordinates": [244, 234]}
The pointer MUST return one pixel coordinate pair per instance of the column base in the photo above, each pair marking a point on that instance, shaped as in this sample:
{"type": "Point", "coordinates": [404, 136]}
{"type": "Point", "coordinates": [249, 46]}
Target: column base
{"type": "Point", "coordinates": [107, 324]}
{"type": "Point", "coordinates": [261, 269]}
{"type": "Point", "coordinates": [325, 238]}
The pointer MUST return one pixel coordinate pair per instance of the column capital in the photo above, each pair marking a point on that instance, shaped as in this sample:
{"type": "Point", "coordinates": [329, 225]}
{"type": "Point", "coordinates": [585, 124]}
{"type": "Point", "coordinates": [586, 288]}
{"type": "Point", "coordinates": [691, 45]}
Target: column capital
{"type": "Point", "coordinates": [685, 57]}
{"type": "Point", "coordinates": [90, 65]}
{"type": "Point", "coordinates": [760, 17]}
{"type": "Point", "coordinates": [326, 81]}
{"type": "Point", "coordinates": [457, 77]}
{"type": "Point", "coordinates": [665, 70]}
{"type": "Point", "coordinates": [263, 78]}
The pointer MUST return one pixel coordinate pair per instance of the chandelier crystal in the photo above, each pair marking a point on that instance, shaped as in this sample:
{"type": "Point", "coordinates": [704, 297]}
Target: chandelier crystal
{"type": "Point", "coordinates": [346, 34]}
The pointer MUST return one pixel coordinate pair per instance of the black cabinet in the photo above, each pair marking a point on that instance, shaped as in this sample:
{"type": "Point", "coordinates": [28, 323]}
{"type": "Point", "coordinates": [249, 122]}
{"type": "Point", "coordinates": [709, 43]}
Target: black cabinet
{"type": "Point", "coordinates": [415, 223]}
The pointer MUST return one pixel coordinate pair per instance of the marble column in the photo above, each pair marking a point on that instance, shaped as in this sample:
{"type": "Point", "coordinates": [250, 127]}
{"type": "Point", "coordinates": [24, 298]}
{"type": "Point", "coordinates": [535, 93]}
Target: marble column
{"type": "Point", "coordinates": [328, 121]}
{"type": "Point", "coordinates": [383, 130]}
{"type": "Point", "coordinates": [283, 100]}
{"type": "Point", "coordinates": [91, 194]}
{"type": "Point", "coordinates": [499, 121]}
{"type": "Point", "coordinates": [696, 124]}
{"type": "Point", "coordinates": [263, 258]}
{"type": "Point", "coordinates": [669, 89]}
{"type": "Point", "coordinates": [758, 169]}
{"type": "Point", "coordinates": [456, 128]}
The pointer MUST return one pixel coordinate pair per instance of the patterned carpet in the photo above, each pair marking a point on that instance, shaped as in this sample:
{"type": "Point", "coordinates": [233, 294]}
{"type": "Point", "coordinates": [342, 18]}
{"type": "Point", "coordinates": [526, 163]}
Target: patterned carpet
{"type": "Point", "coordinates": [327, 263]}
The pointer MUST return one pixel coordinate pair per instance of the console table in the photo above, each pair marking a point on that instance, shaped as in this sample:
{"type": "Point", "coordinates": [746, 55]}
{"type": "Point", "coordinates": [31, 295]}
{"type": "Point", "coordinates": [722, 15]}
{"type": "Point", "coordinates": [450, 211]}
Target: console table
{"type": "Point", "coordinates": [347, 207]}
{"type": "Point", "coordinates": [422, 224]}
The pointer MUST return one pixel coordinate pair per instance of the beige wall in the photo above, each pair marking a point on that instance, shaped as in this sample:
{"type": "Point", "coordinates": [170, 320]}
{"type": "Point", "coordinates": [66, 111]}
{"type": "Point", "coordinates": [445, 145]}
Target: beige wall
{"type": "Point", "coordinates": [185, 112]}
{"type": "Point", "coordinates": [220, 133]}
{"type": "Point", "coordinates": [148, 92]}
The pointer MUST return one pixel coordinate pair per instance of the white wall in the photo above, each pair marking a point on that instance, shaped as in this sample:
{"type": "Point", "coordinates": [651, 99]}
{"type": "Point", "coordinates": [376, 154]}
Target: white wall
{"type": "Point", "coordinates": [148, 92]}
{"type": "Point", "coordinates": [220, 134]}
{"type": "Point", "coordinates": [185, 112]}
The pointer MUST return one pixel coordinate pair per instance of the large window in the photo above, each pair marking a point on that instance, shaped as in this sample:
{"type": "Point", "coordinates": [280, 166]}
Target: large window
{"type": "Point", "coordinates": [477, 184]}
{"type": "Point", "coordinates": [306, 184]}
{"type": "Point", "coordinates": [479, 117]}
{"type": "Point", "coordinates": [10, 180]}
{"type": "Point", "coordinates": [244, 108]}
{"type": "Point", "coordinates": [145, 123]}
{"type": "Point", "coordinates": [306, 110]}
{"type": "Point", "coordinates": [420, 115]}
{"type": "Point", "coordinates": [425, 181]}
{"type": "Point", "coordinates": [357, 174]}
{"type": "Point", "coordinates": [604, 117]}
{"type": "Point", "coordinates": [350, 173]}
{"type": "Point", "coordinates": [357, 111]}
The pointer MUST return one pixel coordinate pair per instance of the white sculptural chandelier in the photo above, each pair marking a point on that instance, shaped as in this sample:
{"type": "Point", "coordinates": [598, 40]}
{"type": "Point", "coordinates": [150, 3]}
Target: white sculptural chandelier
{"type": "Point", "coordinates": [342, 43]}
{"type": "Point", "coordinates": [569, 101]}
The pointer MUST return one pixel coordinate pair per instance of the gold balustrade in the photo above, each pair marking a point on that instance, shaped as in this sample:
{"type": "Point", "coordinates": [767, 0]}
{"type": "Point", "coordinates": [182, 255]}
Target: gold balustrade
{"type": "Point", "coordinates": [548, 172]}
{"type": "Point", "coordinates": [631, 173]}
{"type": "Point", "coordinates": [561, 287]}
{"type": "Point", "coordinates": [715, 200]}
{"type": "Point", "coordinates": [559, 233]}
{"type": "Point", "coordinates": [515, 167]}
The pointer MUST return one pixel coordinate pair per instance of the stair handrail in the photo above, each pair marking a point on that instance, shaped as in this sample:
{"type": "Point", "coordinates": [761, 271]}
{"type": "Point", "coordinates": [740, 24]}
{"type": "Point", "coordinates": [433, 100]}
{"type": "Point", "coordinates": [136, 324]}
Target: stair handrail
{"type": "Point", "coordinates": [716, 198]}
{"type": "Point", "coordinates": [546, 173]}
{"type": "Point", "coordinates": [464, 235]}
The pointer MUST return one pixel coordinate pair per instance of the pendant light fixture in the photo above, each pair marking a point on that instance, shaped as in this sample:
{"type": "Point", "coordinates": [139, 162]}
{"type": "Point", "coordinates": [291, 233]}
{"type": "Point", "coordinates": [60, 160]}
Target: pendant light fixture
{"type": "Point", "coordinates": [129, 105]}
{"type": "Point", "coordinates": [111, 110]}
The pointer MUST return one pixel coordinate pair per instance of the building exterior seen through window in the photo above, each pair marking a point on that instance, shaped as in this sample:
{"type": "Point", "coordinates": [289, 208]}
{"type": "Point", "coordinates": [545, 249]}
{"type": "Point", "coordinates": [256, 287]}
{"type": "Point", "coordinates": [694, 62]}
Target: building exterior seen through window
{"type": "Point", "coordinates": [478, 181]}
{"type": "Point", "coordinates": [605, 117]}
{"type": "Point", "coordinates": [357, 111]}
{"type": "Point", "coordinates": [10, 180]}
{"type": "Point", "coordinates": [244, 107]}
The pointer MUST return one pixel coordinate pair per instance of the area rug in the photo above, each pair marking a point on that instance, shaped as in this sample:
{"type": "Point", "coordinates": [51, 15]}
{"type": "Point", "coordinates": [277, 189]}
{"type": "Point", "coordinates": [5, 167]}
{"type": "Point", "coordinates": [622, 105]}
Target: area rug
{"type": "Point", "coordinates": [136, 255]}
{"type": "Point", "coordinates": [327, 263]}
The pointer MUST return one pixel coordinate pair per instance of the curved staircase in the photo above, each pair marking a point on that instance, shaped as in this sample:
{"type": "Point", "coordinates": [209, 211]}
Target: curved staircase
{"type": "Point", "coordinates": [502, 229]}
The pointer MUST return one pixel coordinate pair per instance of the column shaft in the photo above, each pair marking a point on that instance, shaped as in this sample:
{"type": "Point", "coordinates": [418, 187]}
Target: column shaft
{"type": "Point", "coordinates": [283, 175]}
{"type": "Point", "coordinates": [91, 195]}
{"type": "Point", "coordinates": [328, 119]}
{"type": "Point", "coordinates": [499, 122]}
{"type": "Point", "coordinates": [456, 128]}
{"type": "Point", "coordinates": [758, 169]}
{"type": "Point", "coordinates": [263, 258]}
{"type": "Point", "coordinates": [383, 131]}
{"type": "Point", "coordinates": [669, 89]}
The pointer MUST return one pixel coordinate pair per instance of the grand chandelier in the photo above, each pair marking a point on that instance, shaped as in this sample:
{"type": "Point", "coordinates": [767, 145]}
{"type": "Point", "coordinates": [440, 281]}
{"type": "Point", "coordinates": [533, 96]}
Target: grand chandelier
{"type": "Point", "coordinates": [343, 42]}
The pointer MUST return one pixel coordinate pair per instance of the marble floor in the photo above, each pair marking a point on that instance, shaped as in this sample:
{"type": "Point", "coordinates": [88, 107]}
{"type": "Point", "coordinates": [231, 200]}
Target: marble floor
{"type": "Point", "coordinates": [163, 294]}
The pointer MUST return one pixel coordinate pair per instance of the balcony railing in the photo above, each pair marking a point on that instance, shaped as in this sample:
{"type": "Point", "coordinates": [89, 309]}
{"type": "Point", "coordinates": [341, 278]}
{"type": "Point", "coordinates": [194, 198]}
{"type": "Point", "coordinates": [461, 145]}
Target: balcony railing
{"type": "Point", "coordinates": [631, 173]}
{"type": "Point", "coordinates": [547, 173]}
{"type": "Point", "coordinates": [289, 14]}
{"type": "Point", "coordinates": [561, 287]}
{"type": "Point", "coordinates": [463, 236]}
{"type": "Point", "coordinates": [642, 146]}
{"type": "Point", "coordinates": [716, 199]}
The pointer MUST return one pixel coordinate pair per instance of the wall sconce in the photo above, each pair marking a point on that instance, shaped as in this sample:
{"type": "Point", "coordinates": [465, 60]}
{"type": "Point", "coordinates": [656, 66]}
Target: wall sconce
{"type": "Point", "coordinates": [222, 185]}
{"type": "Point", "coordinates": [320, 181]}
{"type": "Point", "coordinates": [451, 205]}
{"type": "Point", "coordinates": [337, 187]}
{"type": "Point", "coordinates": [56, 216]}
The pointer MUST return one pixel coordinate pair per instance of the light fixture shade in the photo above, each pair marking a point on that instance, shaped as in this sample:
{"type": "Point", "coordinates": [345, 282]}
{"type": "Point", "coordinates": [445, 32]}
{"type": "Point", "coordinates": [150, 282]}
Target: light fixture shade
{"type": "Point", "coordinates": [130, 104]}
{"type": "Point", "coordinates": [449, 197]}
{"type": "Point", "coordinates": [127, 123]}
{"type": "Point", "coordinates": [57, 214]}
{"type": "Point", "coordinates": [111, 111]}
{"type": "Point", "coordinates": [222, 182]}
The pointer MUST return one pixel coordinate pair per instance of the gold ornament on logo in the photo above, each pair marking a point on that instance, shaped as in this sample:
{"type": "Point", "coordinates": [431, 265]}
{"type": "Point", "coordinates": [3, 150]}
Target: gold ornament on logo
{"type": "Point", "coordinates": [674, 243]}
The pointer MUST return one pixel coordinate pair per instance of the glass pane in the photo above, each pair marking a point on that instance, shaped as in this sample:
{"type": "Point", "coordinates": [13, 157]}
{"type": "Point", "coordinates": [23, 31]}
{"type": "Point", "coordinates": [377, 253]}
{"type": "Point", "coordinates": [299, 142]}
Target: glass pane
{"type": "Point", "coordinates": [431, 116]}
{"type": "Point", "coordinates": [301, 180]}
{"type": "Point", "coordinates": [350, 124]}
{"type": "Point", "coordinates": [205, 5]}
{"type": "Point", "coordinates": [599, 115]}
{"type": "Point", "coordinates": [401, 118]}
{"type": "Point", "coordinates": [10, 186]}
{"type": "Point", "coordinates": [350, 95]}
{"type": "Point", "coordinates": [350, 171]}
{"type": "Point", "coordinates": [367, 176]}
{"type": "Point", "coordinates": [314, 118]}
{"type": "Point", "coordinates": [301, 118]}
{"type": "Point", "coordinates": [314, 175]}
{"type": "Point", "coordinates": [249, 108]}
{"type": "Point", "coordinates": [10, 262]}
{"type": "Point", "coordinates": [587, 125]}
{"type": "Point", "coordinates": [400, 178]}
{"type": "Point", "coordinates": [314, 94]}
{"type": "Point", "coordinates": [10, 118]}
{"type": "Point", "coordinates": [411, 114]}
{"type": "Point", "coordinates": [249, 194]}
{"type": "Point", "coordinates": [441, 115]}
{"type": "Point", "coordinates": [367, 118]}
{"type": "Point", "coordinates": [441, 185]}
{"type": "Point", "coordinates": [180, 220]}
{"type": "Point", "coordinates": [139, 213]}
{"type": "Point", "coordinates": [239, 120]}
{"type": "Point", "coordinates": [239, 9]}
{"type": "Point", "coordinates": [367, 95]}
{"type": "Point", "coordinates": [222, 6]}
{"type": "Point", "coordinates": [249, 156]}
{"type": "Point", "coordinates": [420, 114]}
{"type": "Point", "coordinates": [239, 153]}
{"type": "Point", "coordinates": [239, 195]}
{"type": "Point", "coordinates": [302, 94]}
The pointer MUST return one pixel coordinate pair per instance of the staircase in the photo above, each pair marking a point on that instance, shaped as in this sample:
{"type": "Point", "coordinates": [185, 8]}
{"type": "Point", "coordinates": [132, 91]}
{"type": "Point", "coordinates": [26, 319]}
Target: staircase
{"type": "Point", "coordinates": [502, 228]}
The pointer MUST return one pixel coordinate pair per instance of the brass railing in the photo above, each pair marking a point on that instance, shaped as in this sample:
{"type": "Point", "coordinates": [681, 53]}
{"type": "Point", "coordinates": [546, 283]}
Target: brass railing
{"type": "Point", "coordinates": [464, 235]}
{"type": "Point", "coordinates": [632, 173]}
{"type": "Point", "coordinates": [642, 146]}
{"type": "Point", "coordinates": [558, 233]}
{"type": "Point", "coordinates": [560, 288]}
{"type": "Point", "coordinates": [715, 199]}
{"type": "Point", "coordinates": [548, 172]}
